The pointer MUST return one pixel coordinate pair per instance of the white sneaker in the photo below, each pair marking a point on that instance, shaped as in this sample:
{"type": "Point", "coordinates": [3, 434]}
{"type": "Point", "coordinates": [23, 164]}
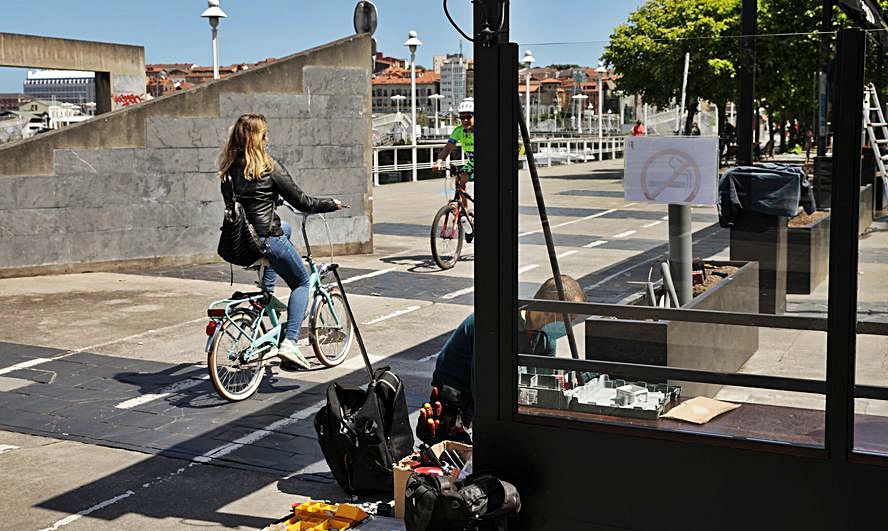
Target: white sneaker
{"type": "Point", "coordinates": [289, 351]}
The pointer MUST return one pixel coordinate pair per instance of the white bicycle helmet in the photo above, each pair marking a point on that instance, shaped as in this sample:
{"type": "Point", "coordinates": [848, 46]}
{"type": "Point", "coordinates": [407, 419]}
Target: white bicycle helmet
{"type": "Point", "coordinates": [466, 106]}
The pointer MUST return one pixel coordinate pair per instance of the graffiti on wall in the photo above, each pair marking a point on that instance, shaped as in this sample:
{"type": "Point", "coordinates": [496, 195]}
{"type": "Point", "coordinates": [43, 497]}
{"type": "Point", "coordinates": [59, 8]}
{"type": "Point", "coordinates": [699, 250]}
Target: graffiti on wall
{"type": "Point", "coordinates": [123, 100]}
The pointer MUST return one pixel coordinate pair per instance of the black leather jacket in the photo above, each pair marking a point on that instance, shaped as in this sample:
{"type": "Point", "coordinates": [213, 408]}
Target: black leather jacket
{"type": "Point", "coordinates": [260, 196]}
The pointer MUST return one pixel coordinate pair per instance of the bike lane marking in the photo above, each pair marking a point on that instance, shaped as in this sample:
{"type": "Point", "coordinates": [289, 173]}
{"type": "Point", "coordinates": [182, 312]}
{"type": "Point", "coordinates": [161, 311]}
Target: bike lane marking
{"type": "Point", "coordinates": [566, 253]}
{"type": "Point", "coordinates": [624, 234]}
{"type": "Point", "coordinates": [571, 222]}
{"type": "Point", "coordinates": [393, 314]}
{"type": "Point", "coordinates": [464, 291]}
{"type": "Point", "coordinates": [166, 391]}
{"type": "Point", "coordinates": [596, 243]}
{"type": "Point", "coordinates": [652, 224]}
{"type": "Point", "coordinates": [368, 275]}
{"type": "Point", "coordinates": [24, 365]}
{"type": "Point", "coordinates": [208, 457]}
{"type": "Point", "coordinates": [7, 448]}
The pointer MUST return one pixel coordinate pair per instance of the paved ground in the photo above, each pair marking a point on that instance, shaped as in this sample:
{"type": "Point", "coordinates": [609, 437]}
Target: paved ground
{"type": "Point", "coordinates": [108, 419]}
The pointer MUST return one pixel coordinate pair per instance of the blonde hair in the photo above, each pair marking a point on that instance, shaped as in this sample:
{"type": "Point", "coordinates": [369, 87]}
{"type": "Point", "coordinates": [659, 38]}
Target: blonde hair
{"type": "Point", "coordinates": [246, 140]}
{"type": "Point", "coordinates": [573, 292]}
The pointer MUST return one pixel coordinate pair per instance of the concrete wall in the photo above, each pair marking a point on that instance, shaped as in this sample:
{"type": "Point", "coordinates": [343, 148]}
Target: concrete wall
{"type": "Point", "coordinates": [138, 186]}
{"type": "Point", "coordinates": [120, 66]}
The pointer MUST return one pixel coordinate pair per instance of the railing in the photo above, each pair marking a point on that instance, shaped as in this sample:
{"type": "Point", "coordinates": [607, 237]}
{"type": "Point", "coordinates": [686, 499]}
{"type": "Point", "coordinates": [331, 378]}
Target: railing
{"type": "Point", "coordinates": [547, 150]}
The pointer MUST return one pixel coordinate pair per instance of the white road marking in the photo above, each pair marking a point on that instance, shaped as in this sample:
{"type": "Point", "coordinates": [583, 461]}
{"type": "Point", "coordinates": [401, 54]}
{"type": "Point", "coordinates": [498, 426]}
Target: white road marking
{"type": "Point", "coordinates": [571, 222]}
{"type": "Point", "coordinates": [167, 391]}
{"type": "Point", "coordinates": [566, 253]}
{"type": "Point", "coordinates": [457, 293]}
{"type": "Point", "coordinates": [7, 448]}
{"type": "Point", "coordinates": [368, 275]}
{"type": "Point", "coordinates": [40, 361]}
{"type": "Point", "coordinates": [527, 268]}
{"type": "Point", "coordinates": [665, 218]}
{"type": "Point", "coordinates": [627, 205]}
{"type": "Point", "coordinates": [624, 234]}
{"type": "Point", "coordinates": [260, 434]}
{"type": "Point", "coordinates": [652, 224]}
{"type": "Point", "coordinates": [393, 314]}
{"type": "Point", "coordinates": [596, 243]}
{"type": "Point", "coordinates": [427, 358]}
{"type": "Point", "coordinates": [24, 365]}
{"type": "Point", "coordinates": [74, 517]}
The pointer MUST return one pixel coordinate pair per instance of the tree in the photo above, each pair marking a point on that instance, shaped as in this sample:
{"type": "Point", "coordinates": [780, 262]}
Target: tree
{"type": "Point", "coordinates": [648, 52]}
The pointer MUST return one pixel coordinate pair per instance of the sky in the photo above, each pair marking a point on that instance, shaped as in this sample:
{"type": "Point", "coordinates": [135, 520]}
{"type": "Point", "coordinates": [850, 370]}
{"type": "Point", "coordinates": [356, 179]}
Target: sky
{"type": "Point", "coordinates": [171, 31]}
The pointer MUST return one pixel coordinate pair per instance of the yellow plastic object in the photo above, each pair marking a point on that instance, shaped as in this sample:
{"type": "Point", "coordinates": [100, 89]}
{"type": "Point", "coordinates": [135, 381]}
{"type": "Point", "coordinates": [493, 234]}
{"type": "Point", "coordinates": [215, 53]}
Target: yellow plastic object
{"type": "Point", "coordinates": [319, 516]}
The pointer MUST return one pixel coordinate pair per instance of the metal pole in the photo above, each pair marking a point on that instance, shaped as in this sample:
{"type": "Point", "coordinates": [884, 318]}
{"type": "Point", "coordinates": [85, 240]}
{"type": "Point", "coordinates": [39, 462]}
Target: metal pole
{"type": "Point", "coordinates": [684, 92]}
{"type": "Point", "coordinates": [600, 113]}
{"type": "Point", "coordinates": [745, 111]}
{"type": "Point", "coordinates": [215, 54]}
{"type": "Point", "coordinates": [527, 89]}
{"type": "Point", "coordinates": [680, 251]}
{"type": "Point", "coordinates": [547, 231]}
{"type": "Point", "coordinates": [413, 110]}
{"type": "Point", "coordinates": [826, 27]}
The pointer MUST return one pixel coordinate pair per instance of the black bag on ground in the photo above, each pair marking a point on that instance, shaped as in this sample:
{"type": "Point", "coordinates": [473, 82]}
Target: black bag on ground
{"type": "Point", "coordinates": [363, 432]}
{"type": "Point", "coordinates": [238, 242]}
{"type": "Point", "coordinates": [480, 503]}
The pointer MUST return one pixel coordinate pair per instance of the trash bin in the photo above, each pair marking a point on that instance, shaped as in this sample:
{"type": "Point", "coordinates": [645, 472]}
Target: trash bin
{"type": "Point", "coordinates": [754, 201]}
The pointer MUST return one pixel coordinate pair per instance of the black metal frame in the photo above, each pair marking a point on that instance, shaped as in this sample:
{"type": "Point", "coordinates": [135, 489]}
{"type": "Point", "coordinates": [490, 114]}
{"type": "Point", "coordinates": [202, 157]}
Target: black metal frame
{"type": "Point", "coordinates": [548, 457]}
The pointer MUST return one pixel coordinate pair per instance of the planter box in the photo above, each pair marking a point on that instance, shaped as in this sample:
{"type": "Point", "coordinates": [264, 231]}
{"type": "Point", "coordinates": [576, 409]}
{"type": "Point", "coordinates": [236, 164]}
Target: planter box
{"type": "Point", "coordinates": [689, 345]}
{"type": "Point", "coordinates": [807, 256]}
{"type": "Point", "coordinates": [761, 238]}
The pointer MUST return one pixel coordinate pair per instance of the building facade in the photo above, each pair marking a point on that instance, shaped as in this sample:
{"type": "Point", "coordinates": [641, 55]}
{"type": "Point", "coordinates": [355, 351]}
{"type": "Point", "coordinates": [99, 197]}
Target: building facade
{"type": "Point", "coordinates": [68, 86]}
{"type": "Point", "coordinates": [453, 81]}
{"type": "Point", "coordinates": [396, 82]}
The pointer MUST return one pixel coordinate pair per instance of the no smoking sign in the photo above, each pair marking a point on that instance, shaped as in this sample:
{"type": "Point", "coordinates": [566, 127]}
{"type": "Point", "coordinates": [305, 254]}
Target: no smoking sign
{"type": "Point", "coordinates": [671, 170]}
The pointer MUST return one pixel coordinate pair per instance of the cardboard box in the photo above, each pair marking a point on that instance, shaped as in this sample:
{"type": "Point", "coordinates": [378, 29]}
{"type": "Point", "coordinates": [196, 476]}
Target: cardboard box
{"type": "Point", "coordinates": [402, 471]}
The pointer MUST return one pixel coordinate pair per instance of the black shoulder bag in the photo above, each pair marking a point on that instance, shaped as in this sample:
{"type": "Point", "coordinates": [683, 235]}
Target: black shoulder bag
{"type": "Point", "coordinates": [239, 243]}
{"type": "Point", "coordinates": [363, 431]}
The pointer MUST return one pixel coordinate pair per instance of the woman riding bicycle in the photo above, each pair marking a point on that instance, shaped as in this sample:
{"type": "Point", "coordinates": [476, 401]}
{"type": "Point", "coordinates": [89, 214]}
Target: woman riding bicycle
{"type": "Point", "coordinates": [464, 133]}
{"type": "Point", "coordinates": [259, 184]}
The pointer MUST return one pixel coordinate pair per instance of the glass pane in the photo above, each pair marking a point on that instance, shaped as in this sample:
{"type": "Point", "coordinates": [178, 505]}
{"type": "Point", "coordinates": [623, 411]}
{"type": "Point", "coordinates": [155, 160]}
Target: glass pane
{"type": "Point", "coordinates": [608, 193]}
{"type": "Point", "coordinates": [872, 350]}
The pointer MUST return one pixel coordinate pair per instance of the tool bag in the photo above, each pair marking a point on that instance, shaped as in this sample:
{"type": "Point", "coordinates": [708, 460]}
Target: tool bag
{"type": "Point", "coordinates": [440, 503]}
{"type": "Point", "coordinates": [364, 431]}
{"type": "Point", "coordinates": [238, 241]}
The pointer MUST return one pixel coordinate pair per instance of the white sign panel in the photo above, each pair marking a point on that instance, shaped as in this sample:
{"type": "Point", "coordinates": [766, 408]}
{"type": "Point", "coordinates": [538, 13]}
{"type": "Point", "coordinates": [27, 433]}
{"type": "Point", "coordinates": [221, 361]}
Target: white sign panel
{"type": "Point", "coordinates": [678, 170]}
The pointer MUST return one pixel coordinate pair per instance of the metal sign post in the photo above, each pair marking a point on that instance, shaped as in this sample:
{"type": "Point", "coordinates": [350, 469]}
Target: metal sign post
{"type": "Point", "coordinates": [680, 244]}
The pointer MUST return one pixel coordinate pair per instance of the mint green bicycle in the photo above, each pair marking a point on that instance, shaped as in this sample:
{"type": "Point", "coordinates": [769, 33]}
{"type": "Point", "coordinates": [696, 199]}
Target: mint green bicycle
{"type": "Point", "coordinates": [246, 329]}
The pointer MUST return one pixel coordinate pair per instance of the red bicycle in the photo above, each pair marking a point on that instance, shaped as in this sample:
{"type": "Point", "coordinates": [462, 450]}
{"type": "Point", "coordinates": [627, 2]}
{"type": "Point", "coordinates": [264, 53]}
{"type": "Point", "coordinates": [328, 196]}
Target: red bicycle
{"type": "Point", "coordinates": [452, 224]}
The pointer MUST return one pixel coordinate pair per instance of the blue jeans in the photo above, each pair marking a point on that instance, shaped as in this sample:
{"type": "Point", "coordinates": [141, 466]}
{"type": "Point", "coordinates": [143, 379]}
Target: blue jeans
{"type": "Point", "coordinates": [286, 262]}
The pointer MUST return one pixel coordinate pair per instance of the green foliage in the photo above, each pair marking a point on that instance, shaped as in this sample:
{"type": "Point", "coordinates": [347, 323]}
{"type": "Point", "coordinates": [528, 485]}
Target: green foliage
{"type": "Point", "coordinates": [648, 51]}
{"type": "Point", "coordinates": [561, 66]}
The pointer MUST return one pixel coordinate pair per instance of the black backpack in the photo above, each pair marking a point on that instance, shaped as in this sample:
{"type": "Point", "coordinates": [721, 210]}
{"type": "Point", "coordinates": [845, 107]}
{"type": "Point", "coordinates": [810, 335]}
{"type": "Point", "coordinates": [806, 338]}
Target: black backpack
{"type": "Point", "coordinates": [440, 503]}
{"type": "Point", "coordinates": [363, 432]}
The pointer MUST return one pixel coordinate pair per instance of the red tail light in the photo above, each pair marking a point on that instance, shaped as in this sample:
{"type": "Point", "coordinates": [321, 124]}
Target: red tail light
{"type": "Point", "coordinates": [211, 328]}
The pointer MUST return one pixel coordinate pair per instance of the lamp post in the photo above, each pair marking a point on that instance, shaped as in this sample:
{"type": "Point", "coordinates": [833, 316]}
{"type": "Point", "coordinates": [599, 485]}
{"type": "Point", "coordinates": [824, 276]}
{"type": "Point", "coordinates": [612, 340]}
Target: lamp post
{"type": "Point", "coordinates": [398, 98]}
{"type": "Point", "coordinates": [450, 116]}
{"type": "Point", "coordinates": [437, 98]}
{"type": "Point", "coordinates": [412, 43]}
{"type": "Point", "coordinates": [213, 13]}
{"type": "Point", "coordinates": [528, 61]}
{"type": "Point", "coordinates": [600, 71]}
{"type": "Point", "coordinates": [579, 98]}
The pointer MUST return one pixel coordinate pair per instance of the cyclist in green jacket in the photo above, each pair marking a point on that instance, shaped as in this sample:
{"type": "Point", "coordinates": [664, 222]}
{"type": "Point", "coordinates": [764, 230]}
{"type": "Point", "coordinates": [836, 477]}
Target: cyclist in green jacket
{"type": "Point", "coordinates": [464, 133]}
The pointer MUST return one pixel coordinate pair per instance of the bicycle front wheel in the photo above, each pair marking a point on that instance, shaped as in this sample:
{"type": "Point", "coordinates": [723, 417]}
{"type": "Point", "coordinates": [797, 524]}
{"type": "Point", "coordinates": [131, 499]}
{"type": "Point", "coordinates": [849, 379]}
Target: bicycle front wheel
{"type": "Point", "coordinates": [233, 377]}
{"type": "Point", "coordinates": [446, 237]}
{"type": "Point", "coordinates": [332, 330]}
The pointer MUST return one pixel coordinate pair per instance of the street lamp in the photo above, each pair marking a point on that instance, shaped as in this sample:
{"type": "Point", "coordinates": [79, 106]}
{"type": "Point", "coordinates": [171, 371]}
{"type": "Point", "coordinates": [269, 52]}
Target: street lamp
{"type": "Point", "coordinates": [398, 98]}
{"type": "Point", "coordinates": [436, 97]}
{"type": "Point", "coordinates": [579, 98]}
{"type": "Point", "coordinates": [450, 116]}
{"type": "Point", "coordinates": [590, 110]}
{"type": "Point", "coordinates": [528, 61]}
{"type": "Point", "coordinates": [412, 43]}
{"type": "Point", "coordinates": [213, 13]}
{"type": "Point", "coordinates": [600, 71]}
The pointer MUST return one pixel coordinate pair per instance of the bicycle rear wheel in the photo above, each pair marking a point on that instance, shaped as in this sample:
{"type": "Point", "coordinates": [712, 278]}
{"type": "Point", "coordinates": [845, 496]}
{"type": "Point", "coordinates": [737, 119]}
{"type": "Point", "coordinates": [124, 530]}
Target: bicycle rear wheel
{"type": "Point", "coordinates": [332, 330]}
{"type": "Point", "coordinates": [232, 376]}
{"type": "Point", "coordinates": [446, 237]}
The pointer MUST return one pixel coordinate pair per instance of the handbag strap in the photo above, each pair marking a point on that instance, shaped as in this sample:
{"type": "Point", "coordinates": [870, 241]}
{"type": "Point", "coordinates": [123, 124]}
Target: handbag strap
{"type": "Point", "coordinates": [236, 199]}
